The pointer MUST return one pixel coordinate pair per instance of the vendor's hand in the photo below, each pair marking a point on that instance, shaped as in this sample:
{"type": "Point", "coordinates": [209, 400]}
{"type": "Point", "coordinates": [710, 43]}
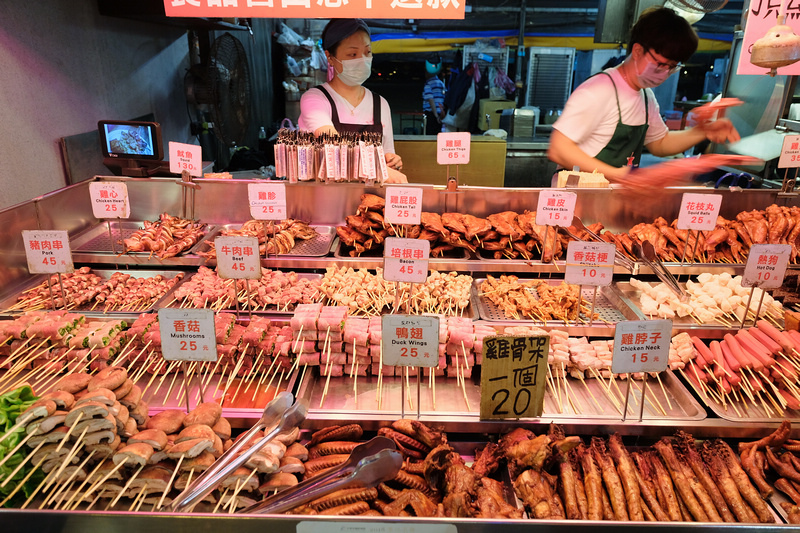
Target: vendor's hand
{"type": "Point", "coordinates": [395, 177]}
{"type": "Point", "coordinates": [619, 175]}
{"type": "Point", "coordinates": [720, 131]}
{"type": "Point", "coordinates": [394, 161]}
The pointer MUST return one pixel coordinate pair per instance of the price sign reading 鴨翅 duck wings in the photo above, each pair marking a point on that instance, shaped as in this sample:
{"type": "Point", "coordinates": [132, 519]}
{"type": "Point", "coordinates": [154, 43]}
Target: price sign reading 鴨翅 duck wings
{"type": "Point", "coordinates": [513, 374]}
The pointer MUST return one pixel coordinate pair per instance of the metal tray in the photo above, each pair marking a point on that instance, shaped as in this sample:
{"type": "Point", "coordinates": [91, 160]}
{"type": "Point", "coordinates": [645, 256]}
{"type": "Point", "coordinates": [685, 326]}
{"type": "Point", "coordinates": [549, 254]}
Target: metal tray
{"type": "Point", "coordinates": [105, 275]}
{"type": "Point", "coordinates": [96, 240]}
{"type": "Point", "coordinates": [377, 253]}
{"type": "Point", "coordinates": [536, 258]}
{"type": "Point", "coordinates": [318, 246]}
{"type": "Point", "coordinates": [609, 307]}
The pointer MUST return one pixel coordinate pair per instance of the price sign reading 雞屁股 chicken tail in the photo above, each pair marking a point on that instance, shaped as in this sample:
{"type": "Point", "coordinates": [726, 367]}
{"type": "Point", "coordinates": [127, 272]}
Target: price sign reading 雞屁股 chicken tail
{"type": "Point", "coordinates": [766, 265]}
{"type": "Point", "coordinates": [555, 208]}
{"type": "Point", "coordinates": [699, 211]}
{"type": "Point", "coordinates": [187, 334]}
{"type": "Point", "coordinates": [403, 205]}
{"type": "Point", "coordinates": [641, 346]}
{"type": "Point", "coordinates": [410, 340]}
{"type": "Point", "coordinates": [109, 199]}
{"type": "Point", "coordinates": [406, 260]}
{"type": "Point", "coordinates": [237, 257]}
{"type": "Point", "coordinates": [267, 200]}
{"type": "Point", "coordinates": [513, 376]}
{"type": "Point", "coordinates": [589, 263]}
{"type": "Point", "coordinates": [47, 251]}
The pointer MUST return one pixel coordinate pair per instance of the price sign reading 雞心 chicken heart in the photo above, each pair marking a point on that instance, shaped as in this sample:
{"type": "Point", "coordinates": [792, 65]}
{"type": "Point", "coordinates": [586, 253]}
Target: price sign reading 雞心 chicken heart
{"type": "Point", "coordinates": [403, 205]}
{"type": "Point", "coordinates": [513, 376]}
{"type": "Point", "coordinates": [641, 346]}
{"type": "Point", "coordinates": [589, 263]}
{"type": "Point", "coordinates": [699, 211]}
{"type": "Point", "coordinates": [410, 340]}
{"type": "Point", "coordinates": [47, 252]}
{"type": "Point", "coordinates": [766, 265]}
{"type": "Point", "coordinates": [406, 260]}
{"type": "Point", "coordinates": [267, 200]}
{"type": "Point", "coordinates": [109, 199]}
{"type": "Point", "coordinates": [237, 257]}
{"type": "Point", "coordinates": [555, 208]}
{"type": "Point", "coordinates": [185, 157]}
{"type": "Point", "coordinates": [187, 334]}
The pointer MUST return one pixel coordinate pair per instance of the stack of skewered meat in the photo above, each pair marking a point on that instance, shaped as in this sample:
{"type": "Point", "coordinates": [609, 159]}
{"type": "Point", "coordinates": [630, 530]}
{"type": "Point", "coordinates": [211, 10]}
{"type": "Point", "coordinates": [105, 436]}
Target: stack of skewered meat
{"type": "Point", "coordinates": [533, 299]}
{"type": "Point", "coordinates": [273, 239]}
{"type": "Point", "coordinates": [166, 237]}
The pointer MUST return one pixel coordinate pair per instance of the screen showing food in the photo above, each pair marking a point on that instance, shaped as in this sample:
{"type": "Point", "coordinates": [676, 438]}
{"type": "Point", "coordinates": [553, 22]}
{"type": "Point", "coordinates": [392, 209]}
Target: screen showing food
{"type": "Point", "coordinates": [133, 140]}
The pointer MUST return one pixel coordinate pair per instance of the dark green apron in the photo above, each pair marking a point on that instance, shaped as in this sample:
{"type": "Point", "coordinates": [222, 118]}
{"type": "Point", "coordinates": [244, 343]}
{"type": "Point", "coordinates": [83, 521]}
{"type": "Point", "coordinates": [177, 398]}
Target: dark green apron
{"type": "Point", "coordinates": [627, 141]}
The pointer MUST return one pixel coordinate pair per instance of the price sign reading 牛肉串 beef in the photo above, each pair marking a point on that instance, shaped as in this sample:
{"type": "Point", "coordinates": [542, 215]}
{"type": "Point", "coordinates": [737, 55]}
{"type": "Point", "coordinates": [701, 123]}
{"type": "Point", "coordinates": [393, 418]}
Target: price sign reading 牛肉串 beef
{"type": "Point", "coordinates": [403, 205]}
{"type": "Point", "coordinates": [699, 211]}
{"type": "Point", "coordinates": [109, 199]}
{"type": "Point", "coordinates": [766, 265]}
{"type": "Point", "coordinates": [267, 200]}
{"type": "Point", "coordinates": [47, 251]}
{"type": "Point", "coordinates": [237, 257]}
{"type": "Point", "coordinates": [406, 260]}
{"type": "Point", "coordinates": [187, 334]}
{"type": "Point", "coordinates": [513, 376]}
{"type": "Point", "coordinates": [555, 208]}
{"type": "Point", "coordinates": [410, 340]}
{"type": "Point", "coordinates": [589, 263]}
{"type": "Point", "coordinates": [641, 346]}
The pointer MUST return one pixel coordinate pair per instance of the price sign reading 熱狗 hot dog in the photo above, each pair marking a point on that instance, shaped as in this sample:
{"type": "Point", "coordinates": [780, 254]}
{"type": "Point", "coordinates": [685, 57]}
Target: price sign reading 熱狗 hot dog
{"type": "Point", "coordinates": [513, 374]}
{"type": "Point", "coordinates": [766, 265]}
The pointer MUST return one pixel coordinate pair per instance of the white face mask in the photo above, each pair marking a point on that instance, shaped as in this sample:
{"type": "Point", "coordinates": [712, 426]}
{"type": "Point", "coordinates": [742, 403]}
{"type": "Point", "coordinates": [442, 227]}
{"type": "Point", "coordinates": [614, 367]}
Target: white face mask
{"type": "Point", "coordinates": [354, 71]}
{"type": "Point", "coordinates": [652, 77]}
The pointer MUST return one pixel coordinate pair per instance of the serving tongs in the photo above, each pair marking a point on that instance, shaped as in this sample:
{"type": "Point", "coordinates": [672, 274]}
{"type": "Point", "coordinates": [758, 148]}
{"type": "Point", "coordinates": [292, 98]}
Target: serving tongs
{"type": "Point", "coordinates": [369, 464]}
{"type": "Point", "coordinates": [647, 253]}
{"type": "Point", "coordinates": [279, 415]}
{"type": "Point", "coordinates": [619, 257]}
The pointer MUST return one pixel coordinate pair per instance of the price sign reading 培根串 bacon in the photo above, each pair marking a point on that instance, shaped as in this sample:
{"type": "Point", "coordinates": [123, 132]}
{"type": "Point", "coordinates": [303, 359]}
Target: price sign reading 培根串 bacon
{"type": "Point", "coordinates": [555, 208]}
{"type": "Point", "coordinates": [109, 199]}
{"type": "Point", "coordinates": [403, 205]}
{"type": "Point", "coordinates": [589, 263]}
{"type": "Point", "coordinates": [406, 260]}
{"type": "Point", "coordinates": [237, 257]}
{"type": "Point", "coordinates": [766, 265]}
{"type": "Point", "coordinates": [187, 334]}
{"type": "Point", "coordinates": [641, 346]}
{"type": "Point", "coordinates": [410, 340]}
{"type": "Point", "coordinates": [47, 251]}
{"type": "Point", "coordinates": [267, 200]}
{"type": "Point", "coordinates": [699, 211]}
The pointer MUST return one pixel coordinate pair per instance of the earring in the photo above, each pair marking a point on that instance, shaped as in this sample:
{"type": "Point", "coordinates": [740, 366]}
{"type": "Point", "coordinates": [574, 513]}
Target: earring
{"type": "Point", "coordinates": [331, 72]}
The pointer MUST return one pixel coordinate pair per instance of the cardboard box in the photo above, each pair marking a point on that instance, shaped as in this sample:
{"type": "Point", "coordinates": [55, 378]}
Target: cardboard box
{"type": "Point", "coordinates": [493, 108]}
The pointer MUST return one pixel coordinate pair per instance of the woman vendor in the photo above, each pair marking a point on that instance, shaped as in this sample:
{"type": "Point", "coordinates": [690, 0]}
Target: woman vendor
{"type": "Point", "coordinates": [611, 116]}
{"type": "Point", "coordinates": [343, 104]}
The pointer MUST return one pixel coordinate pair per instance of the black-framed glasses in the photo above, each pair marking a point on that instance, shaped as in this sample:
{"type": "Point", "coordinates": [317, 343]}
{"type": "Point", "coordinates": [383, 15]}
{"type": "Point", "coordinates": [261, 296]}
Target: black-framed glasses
{"type": "Point", "coordinates": [662, 66]}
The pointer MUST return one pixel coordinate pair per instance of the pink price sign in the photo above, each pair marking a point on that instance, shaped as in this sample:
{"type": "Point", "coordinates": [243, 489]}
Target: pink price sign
{"type": "Point", "coordinates": [453, 148]}
{"type": "Point", "coordinates": [109, 199]}
{"type": "Point", "coordinates": [766, 265]}
{"type": "Point", "coordinates": [403, 205]}
{"type": "Point", "coordinates": [641, 346]}
{"type": "Point", "coordinates": [186, 157]}
{"type": "Point", "coordinates": [555, 208]}
{"type": "Point", "coordinates": [406, 260]}
{"type": "Point", "coordinates": [238, 257]}
{"type": "Point", "coordinates": [47, 252]}
{"type": "Point", "coordinates": [699, 211]}
{"type": "Point", "coordinates": [267, 200]}
{"type": "Point", "coordinates": [589, 263]}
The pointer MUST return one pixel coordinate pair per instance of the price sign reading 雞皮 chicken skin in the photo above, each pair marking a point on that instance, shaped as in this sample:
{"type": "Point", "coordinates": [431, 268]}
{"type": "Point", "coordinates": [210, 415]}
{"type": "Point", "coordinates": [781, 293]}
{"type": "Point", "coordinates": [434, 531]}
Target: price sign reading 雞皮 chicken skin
{"type": "Point", "coordinates": [513, 376]}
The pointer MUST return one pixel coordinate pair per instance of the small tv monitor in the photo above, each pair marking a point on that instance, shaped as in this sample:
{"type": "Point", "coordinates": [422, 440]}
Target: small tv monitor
{"type": "Point", "coordinates": [140, 141]}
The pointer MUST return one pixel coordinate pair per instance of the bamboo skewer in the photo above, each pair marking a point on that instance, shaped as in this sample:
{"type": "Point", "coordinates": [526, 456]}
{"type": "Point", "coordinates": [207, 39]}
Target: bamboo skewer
{"type": "Point", "coordinates": [63, 491]}
{"type": "Point", "coordinates": [127, 485]}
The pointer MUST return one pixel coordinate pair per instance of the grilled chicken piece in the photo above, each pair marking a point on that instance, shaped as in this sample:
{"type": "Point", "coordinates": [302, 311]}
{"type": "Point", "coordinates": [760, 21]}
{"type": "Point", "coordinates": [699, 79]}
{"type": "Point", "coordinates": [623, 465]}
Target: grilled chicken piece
{"type": "Point", "coordinates": [433, 222]}
{"type": "Point", "coordinates": [371, 202]}
{"type": "Point", "coordinates": [506, 224]}
{"type": "Point", "coordinates": [756, 225]}
{"type": "Point", "coordinates": [349, 236]}
{"type": "Point", "coordinates": [475, 227]}
{"type": "Point", "coordinates": [454, 221]}
{"type": "Point", "coordinates": [361, 223]}
{"type": "Point", "coordinates": [777, 224]}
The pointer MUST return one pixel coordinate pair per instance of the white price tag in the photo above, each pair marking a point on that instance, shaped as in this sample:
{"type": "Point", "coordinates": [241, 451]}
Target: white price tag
{"type": "Point", "coordinates": [641, 346]}
{"type": "Point", "coordinates": [237, 257]}
{"type": "Point", "coordinates": [185, 157]}
{"type": "Point", "coordinates": [790, 153]}
{"type": "Point", "coordinates": [589, 263]}
{"type": "Point", "coordinates": [410, 340]}
{"type": "Point", "coordinates": [766, 265]}
{"type": "Point", "coordinates": [555, 208]}
{"type": "Point", "coordinates": [403, 205]}
{"type": "Point", "coordinates": [109, 199]}
{"type": "Point", "coordinates": [406, 259]}
{"type": "Point", "coordinates": [47, 251]}
{"type": "Point", "coordinates": [267, 200]}
{"type": "Point", "coordinates": [699, 211]}
{"type": "Point", "coordinates": [452, 148]}
{"type": "Point", "coordinates": [187, 334]}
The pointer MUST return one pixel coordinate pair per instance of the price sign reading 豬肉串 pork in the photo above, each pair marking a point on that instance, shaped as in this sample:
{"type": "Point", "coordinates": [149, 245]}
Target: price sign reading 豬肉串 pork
{"type": "Point", "coordinates": [47, 251]}
{"type": "Point", "coordinates": [513, 376]}
{"type": "Point", "coordinates": [109, 199]}
{"type": "Point", "coordinates": [403, 205]}
{"type": "Point", "coordinates": [555, 208]}
{"type": "Point", "coordinates": [237, 257]}
{"type": "Point", "coordinates": [187, 334]}
{"type": "Point", "coordinates": [185, 157]}
{"type": "Point", "coordinates": [766, 265]}
{"type": "Point", "coordinates": [699, 211]}
{"type": "Point", "coordinates": [410, 340]}
{"type": "Point", "coordinates": [267, 200]}
{"type": "Point", "coordinates": [452, 148]}
{"type": "Point", "coordinates": [589, 263]}
{"type": "Point", "coordinates": [641, 346]}
{"type": "Point", "coordinates": [406, 260]}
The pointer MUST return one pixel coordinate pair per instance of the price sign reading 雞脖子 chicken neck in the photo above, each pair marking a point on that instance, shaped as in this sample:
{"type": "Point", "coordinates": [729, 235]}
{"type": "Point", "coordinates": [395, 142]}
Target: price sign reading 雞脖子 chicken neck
{"type": "Point", "coordinates": [641, 346]}
{"type": "Point", "coordinates": [403, 205]}
{"type": "Point", "coordinates": [766, 265]}
{"type": "Point", "coordinates": [238, 257]}
{"type": "Point", "coordinates": [513, 376]}
{"type": "Point", "coordinates": [410, 340]}
{"type": "Point", "coordinates": [47, 251]}
{"type": "Point", "coordinates": [589, 263]}
{"type": "Point", "coordinates": [267, 200]}
{"type": "Point", "coordinates": [406, 260]}
{"type": "Point", "coordinates": [555, 208]}
{"type": "Point", "coordinates": [109, 199]}
{"type": "Point", "coordinates": [187, 334]}
{"type": "Point", "coordinates": [699, 211]}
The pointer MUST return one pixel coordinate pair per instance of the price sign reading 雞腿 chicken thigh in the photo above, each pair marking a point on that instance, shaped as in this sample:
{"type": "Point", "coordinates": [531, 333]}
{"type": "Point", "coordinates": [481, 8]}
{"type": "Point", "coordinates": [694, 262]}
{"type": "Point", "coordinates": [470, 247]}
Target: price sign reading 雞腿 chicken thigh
{"type": "Point", "coordinates": [109, 199]}
{"type": "Point", "coordinates": [406, 260]}
{"type": "Point", "coordinates": [403, 205]}
{"type": "Point", "coordinates": [410, 340]}
{"type": "Point", "coordinates": [237, 257]}
{"type": "Point", "coordinates": [187, 334]}
{"type": "Point", "coordinates": [641, 346]}
{"type": "Point", "coordinates": [699, 211]}
{"type": "Point", "coordinates": [589, 263]}
{"type": "Point", "coordinates": [766, 265]}
{"type": "Point", "coordinates": [452, 148]}
{"type": "Point", "coordinates": [267, 200]}
{"type": "Point", "coordinates": [47, 252]}
{"type": "Point", "coordinates": [555, 208]}
{"type": "Point", "coordinates": [513, 376]}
